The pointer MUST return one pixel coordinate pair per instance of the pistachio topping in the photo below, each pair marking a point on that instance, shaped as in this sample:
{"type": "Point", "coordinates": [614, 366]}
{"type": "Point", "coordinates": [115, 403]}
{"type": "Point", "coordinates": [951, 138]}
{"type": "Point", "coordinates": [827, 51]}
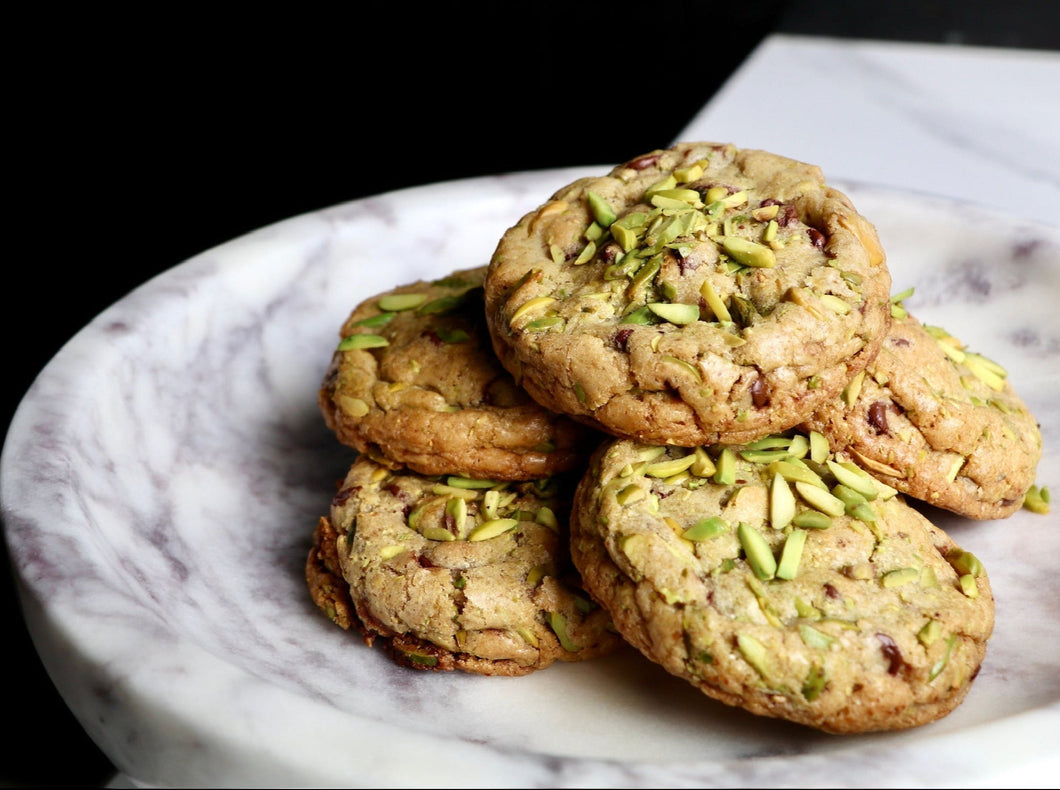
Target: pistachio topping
{"type": "Point", "coordinates": [401, 301]}
{"type": "Point", "coordinates": [791, 554]}
{"type": "Point", "coordinates": [759, 555]}
{"type": "Point", "coordinates": [1036, 499]}
{"type": "Point", "coordinates": [492, 528]}
{"type": "Point", "coordinates": [359, 341]}
{"type": "Point", "coordinates": [706, 529]}
{"type": "Point", "coordinates": [749, 253]}
{"type": "Point", "coordinates": [754, 653]}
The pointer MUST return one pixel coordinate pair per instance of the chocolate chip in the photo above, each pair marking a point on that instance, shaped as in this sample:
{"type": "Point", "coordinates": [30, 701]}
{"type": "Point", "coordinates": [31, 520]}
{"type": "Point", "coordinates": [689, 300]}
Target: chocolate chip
{"type": "Point", "coordinates": [877, 416]}
{"type": "Point", "coordinates": [891, 653]}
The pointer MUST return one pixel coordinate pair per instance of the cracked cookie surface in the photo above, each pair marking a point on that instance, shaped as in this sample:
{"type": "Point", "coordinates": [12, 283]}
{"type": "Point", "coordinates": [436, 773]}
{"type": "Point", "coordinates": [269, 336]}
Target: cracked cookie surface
{"type": "Point", "coordinates": [414, 382]}
{"type": "Point", "coordinates": [445, 574]}
{"type": "Point", "coordinates": [772, 584]}
{"type": "Point", "coordinates": [694, 294]}
{"type": "Point", "coordinates": [938, 422]}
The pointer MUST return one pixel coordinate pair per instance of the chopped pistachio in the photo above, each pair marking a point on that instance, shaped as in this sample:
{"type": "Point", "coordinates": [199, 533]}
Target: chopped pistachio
{"type": "Point", "coordinates": [528, 306]}
{"type": "Point", "coordinates": [819, 447]}
{"type": "Point", "coordinates": [748, 253]}
{"type": "Point", "coordinates": [791, 554]}
{"type": "Point", "coordinates": [793, 472]}
{"type": "Point", "coordinates": [899, 577]}
{"type": "Point", "coordinates": [940, 665]}
{"type": "Point", "coordinates": [382, 319]}
{"type": "Point", "coordinates": [814, 638]}
{"type": "Point", "coordinates": [969, 586]}
{"type": "Point", "coordinates": [670, 466]}
{"type": "Point", "coordinates": [821, 499]}
{"type": "Point", "coordinates": [725, 472]}
{"type": "Point", "coordinates": [400, 302]}
{"type": "Point", "coordinates": [929, 633]}
{"type": "Point", "coordinates": [355, 407]}
{"type": "Point", "coordinates": [492, 528]}
{"type": "Point", "coordinates": [600, 208]}
{"type": "Point", "coordinates": [964, 562]}
{"type": "Point", "coordinates": [713, 300]}
{"type": "Point", "coordinates": [755, 653]}
{"type": "Point", "coordinates": [675, 312]}
{"type": "Point", "coordinates": [759, 555]}
{"type": "Point", "coordinates": [630, 494]}
{"type": "Point", "coordinates": [781, 502]}
{"type": "Point", "coordinates": [853, 477]}
{"type": "Point", "coordinates": [853, 389]}
{"type": "Point", "coordinates": [702, 464]}
{"type": "Point", "coordinates": [835, 304]}
{"type": "Point", "coordinates": [438, 533]}
{"type": "Point", "coordinates": [547, 517]}
{"type": "Point", "coordinates": [812, 519]}
{"type": "Point", "coordinates": [351, 342]}
{"type": "Point", "coordinates": [814, 684]}
{"type": "Point", "coordinates": [557, 621]}
{"type": "Point", "coordinates": [706, 528]}
{"type": "Point", "coordinates": [586, 255]}
{"type": "Point", "coordinates": [457, 481]}
{"type": "Point", "coordinates": [387, 552]}
{"type": "Point", "coordinates": [1036, 499]}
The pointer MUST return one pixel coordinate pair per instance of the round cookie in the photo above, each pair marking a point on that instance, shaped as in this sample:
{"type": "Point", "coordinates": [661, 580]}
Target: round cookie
{"type": "Point", "coordinates": [695, 294]}
{"type": "Point", "coordinates": [759, 575]}
{"type": "Point", "coordinates": [937, 422]}
{"type": "Point", "coordinates": [414, 382]}
{"type": "Point", "coordinates": [447, 575]}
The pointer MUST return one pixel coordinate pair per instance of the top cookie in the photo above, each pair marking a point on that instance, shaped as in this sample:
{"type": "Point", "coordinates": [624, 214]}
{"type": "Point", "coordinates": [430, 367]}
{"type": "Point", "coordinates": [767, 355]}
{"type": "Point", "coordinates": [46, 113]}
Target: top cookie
{"type": "Point", "coordinates": [414, 382]}
{"type": "Point", "coordinates": [695, 294]}
{"type": "Point", "coordinates": [939, 423]}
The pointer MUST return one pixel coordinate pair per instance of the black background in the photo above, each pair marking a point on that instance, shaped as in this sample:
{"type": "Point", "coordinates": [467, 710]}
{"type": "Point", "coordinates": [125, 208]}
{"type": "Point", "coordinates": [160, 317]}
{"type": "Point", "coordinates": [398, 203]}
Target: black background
{"type": "Point", "coordinates": [139, 142]}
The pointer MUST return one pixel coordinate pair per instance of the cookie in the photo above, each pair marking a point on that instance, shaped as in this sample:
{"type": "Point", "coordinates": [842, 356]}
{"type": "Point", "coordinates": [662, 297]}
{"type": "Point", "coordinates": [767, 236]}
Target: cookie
{"type": "Point", "coordinates": [938, 422]}
{"type": "Point", "coordinates": [414, 382]}
{"type": "Point", "coordinates": [450, 573]}
{"type": "Point", "coordinates": [692, 295]}
{"type": "Point", "coordinates": [783, 580]}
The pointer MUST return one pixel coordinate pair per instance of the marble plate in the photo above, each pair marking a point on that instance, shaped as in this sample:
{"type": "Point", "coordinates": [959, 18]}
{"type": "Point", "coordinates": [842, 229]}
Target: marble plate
{"type": "Point", "coordinates": [162, 476]}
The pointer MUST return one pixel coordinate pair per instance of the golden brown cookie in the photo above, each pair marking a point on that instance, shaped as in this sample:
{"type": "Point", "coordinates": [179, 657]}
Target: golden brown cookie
{"type": "Point", "coordinates": [781, 579]}
{"type": "Point", "coordinates": [450, 573]}
{"type": "Point", "coordinates": [693, 294]}
{"type": "Point", "coordinates": [938, 422]}
{"type": "Point", "coordinates": [414, 382]}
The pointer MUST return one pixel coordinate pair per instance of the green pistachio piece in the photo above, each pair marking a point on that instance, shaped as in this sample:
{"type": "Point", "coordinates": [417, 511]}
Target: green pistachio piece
{"type": "Point", "coordinates": [528, 306]}
{"type": "Point", "coordinates": [600, 208]}
{"type": "Point", "coordinates": [399, 302]}
{"type": "Point", "coordinates": [821, 499]}
{"type": "Point", "coordinates": [791, 554]}
{"type": "Point", "coordinates": [714, 303]}
{"type": "Point", "coordinates": [899, 577]}
{"type": "Point", "coordinates": [351, 342]}
{"type": "Point", "coordinates": [725, 471]}
{"type": "Point", "coordinates": [792, 471]}
{"type": "Point", "coordinates": [965, 562]}
{"type": "Point", "coordinates": [492, 528]}
{"type": "Point", "coordinates": [1036, 499]}
{"type": "Point", "coordinates": [931, 631]}
{"type": "Point", "coordinates": [669, 467]}
{"type": "Point", "coordinates": [382, 319]}
{"type": "Point", "coordinates": [470, 482]}
{"type": "Point", "coordinates": [706, 529]}
{"type": "Point", "coordinates": [442, 305]}
{"type": "Point", "coordinates": [703, 465]}
{"type": "Point", "coordinates": [586, 254]}
{"type": "Point", "coordinates": [749, 253]}
{"type": "Point", "coordinates": [853, 477]}
{"type": "Point", "coordinates": [456, 508]}
{"type": "Point", "coordinates": [759, 555]}
{"type": "Point", "coordinates": [688, 367]}
{"type": "Point", "coordinates": [814, 684]}
{"type": "Point", "coordinates": [423, 660]}
{"type": "Point", "coordinates": [819, 448]}
{"type": "Point", "coordinates": [781, 502]}
{"type": "Point", "coordinates": [812, 519]}
{"type": "Point", "coordinates": [557, 621]}
{"type": "Point", "coordinates": [438, 533]}
{"type": "Point", "coordinates": [814, 638]}
{"type": "Point", "coordinates": [754, 653]}
{"type": "Point", "coordinates": [675, 313]}
{"type": "Point", "coordinates": [940, 665]}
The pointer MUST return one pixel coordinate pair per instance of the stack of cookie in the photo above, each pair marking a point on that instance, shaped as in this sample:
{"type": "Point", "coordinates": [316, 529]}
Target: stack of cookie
{"type": "Point", "coordinates": [702, 347]}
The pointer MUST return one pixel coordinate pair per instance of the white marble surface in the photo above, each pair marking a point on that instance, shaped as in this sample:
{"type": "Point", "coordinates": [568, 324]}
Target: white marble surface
{"type": "Point", "coordinates": [160, 481]}
{"type": "Point", "coordinates": [974, 123]}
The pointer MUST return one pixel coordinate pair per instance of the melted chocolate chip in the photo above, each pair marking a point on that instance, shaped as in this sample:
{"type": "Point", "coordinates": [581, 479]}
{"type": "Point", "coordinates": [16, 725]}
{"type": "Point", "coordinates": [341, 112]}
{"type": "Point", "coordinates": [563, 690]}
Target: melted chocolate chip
{"type": "Point", "coordinates": [760, 393]}
{"type": "Point", "coordinates": [622, 338]}
{"type": "Point", "coordinates": [817, 239]}
{"type": "Point", "coordinates": [891, 653]}
{"type": "Point", "coordinates": [877, 416]}
{"type": "Point", "coordinates": [643, 162]}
